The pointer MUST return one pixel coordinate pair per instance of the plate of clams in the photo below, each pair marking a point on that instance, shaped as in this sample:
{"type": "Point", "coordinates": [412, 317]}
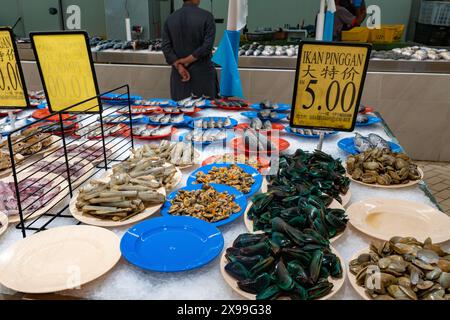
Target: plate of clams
{"type": "Point", "coordinates": [402, 268]}
{"type": "Point", "coordinates": [383, 169]}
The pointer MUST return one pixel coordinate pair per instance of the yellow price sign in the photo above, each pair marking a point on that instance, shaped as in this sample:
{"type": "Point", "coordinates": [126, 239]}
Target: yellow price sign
{"type": "Point", "coordinates": [329, 83]}
{"type": "Point", "coordinates": [67, 71]}
{"type": "Point", "coordinates": [13, 92]}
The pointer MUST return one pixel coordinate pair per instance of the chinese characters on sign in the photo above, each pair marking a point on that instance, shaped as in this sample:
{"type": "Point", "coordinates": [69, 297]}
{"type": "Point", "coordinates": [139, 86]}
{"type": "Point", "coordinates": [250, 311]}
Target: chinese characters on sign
{"type": "Point", "coordinates": [12, 86]}
{"type": "Point", "coordinates": [67, 71]}
{"type": "Point", "coordinates": [329, 82]}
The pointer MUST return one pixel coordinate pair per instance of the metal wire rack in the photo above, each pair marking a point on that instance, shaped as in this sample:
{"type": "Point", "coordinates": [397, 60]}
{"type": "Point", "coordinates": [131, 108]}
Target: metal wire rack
{"type": "Point", "coordinates": [53, 156]}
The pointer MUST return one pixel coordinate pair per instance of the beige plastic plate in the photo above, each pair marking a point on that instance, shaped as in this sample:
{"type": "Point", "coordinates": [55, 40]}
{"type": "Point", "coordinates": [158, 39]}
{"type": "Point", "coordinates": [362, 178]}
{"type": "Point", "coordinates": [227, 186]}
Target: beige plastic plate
{"type": "Point", "coordinates": [249, 223]}
{"type": "Point", "coordinates": [337, 283]}
{"type": "Point", "coordinates": [56, 180]}
{"type": "Point", "coordinates": [352, 278]}
{"type": "Point", "coordinates": [395, 186]}
{"type": "Point", "coordinates": [385, 218]}
{"type": "Point", "coordinates": [4, 223]}
{"type": "Point", "coordinates": [59, 259]}
{"type": "Point", "coordinates": [77, 214]}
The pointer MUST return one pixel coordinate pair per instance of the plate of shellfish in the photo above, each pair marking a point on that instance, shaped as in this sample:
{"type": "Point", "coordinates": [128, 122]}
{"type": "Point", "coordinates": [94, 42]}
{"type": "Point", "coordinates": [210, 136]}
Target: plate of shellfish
{"type": "Point", "coordinates": [402, 268]}
{"type": "Point", "coordinates": [383, 169]}
{"type": "Point", "coordinates": [254, 272]}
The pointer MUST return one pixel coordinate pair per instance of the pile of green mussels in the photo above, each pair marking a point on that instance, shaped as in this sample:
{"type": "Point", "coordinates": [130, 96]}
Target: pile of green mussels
{"type": "Point", "coordinates": [300, 194]}
{"type": "Point", "coordinates": [283, 263]}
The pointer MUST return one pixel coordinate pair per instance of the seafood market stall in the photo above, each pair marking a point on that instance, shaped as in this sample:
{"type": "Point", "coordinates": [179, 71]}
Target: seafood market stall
{"type": "Point", "coordinates": [128, 280]}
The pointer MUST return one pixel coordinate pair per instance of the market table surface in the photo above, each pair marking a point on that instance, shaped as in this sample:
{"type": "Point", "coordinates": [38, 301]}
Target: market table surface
{"type": "Point", "coordinates": [129, 282]}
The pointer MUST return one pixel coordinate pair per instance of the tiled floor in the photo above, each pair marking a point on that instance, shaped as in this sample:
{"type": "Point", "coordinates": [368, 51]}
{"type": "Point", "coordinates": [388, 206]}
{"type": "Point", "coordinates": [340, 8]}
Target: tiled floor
{"type": "Point", "coordinates": [437, 176]}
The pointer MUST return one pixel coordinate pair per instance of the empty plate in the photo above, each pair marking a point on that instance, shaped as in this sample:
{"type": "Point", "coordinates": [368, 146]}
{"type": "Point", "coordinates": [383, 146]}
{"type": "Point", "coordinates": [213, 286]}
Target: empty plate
{"type": "Point", "coordinates": [171, 244]}
{"type": "Point", "coordinates": [386, 218]}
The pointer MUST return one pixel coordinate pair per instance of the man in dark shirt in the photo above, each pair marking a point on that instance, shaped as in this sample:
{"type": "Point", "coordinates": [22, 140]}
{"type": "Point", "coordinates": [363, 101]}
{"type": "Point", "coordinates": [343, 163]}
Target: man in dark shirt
{"type": "Point", "coordinates": [188, 39]}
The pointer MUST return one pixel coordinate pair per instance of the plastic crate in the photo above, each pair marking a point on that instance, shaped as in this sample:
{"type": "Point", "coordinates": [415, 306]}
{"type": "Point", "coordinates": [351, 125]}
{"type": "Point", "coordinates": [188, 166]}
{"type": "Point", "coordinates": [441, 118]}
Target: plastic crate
{"type": "Point", "coordinates": [436, 13]}
{"type": "Point", "coordinates": [387, 33]}
{"type": "Point", "coordinates": [357, 34]}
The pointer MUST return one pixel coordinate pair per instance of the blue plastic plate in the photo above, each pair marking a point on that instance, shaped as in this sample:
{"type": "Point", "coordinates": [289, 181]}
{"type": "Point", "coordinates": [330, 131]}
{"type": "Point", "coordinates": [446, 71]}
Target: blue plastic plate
{"type": "Point", "coordinates": [186, 122]}
{"type": "Point", "coordinates": [281, 107]}
{"type": "Point", "coordinates": [288, 129]}
{"type": "Point", "coordinates": [232, 125]}
{"type": "Point", "coordinates": [253, 114]}
{"type": "Point", "coordinates": [19, 123]}
{"type": "Point", "coordinates": [247, 169]}
{"type": "Point", "coordinates": [230, 136]}
{"type": "Point", "coordinates": [239, 198]}
{"type": "Point", "coordinates": [171, 244]}
{"type": "Point", "coordinates": [348, 145]}
{"type": "Point", "coordinates": [121, 99]}
{"type": "Point", "coordinates": [372, 120]}
{"type": "Point", "coordinates": [42, 105]}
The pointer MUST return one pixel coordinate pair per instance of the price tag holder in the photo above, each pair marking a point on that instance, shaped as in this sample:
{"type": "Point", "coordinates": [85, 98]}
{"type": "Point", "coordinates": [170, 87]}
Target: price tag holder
{"type": "Point", "coordinates": [67, 71]}
{"type": "Point", "coordinates": [13, 91]}
{"type": "Point", "coordinates": [328, 86]}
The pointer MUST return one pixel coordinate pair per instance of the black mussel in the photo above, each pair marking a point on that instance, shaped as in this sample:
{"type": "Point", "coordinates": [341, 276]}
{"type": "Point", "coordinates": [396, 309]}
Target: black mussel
{"type": "Point", "coordinates": [298, 293]}
{"type": "Point", "coordinates": [299, 222]}
{"type": "Point", "coordinates": [270, 293]}
{"type": "Point", "coordinates": [247, 239]}
{"type": "Point", "coordinates": [265, 265]}
{"type": "Point", "coordinates": [256, 285]}
{"type": "Point", "coordinates": [316, 264]}
{"type": "Point", "coordinates": [298, 254]}
{"type": "Point", "coordinates": [232, 251]}
{"type": "Point", "coordinates": [324, 273]}
{"type": "Point", "coordinates": [320, 227]}
{"type": "Point", "coordinates": [298, 273]}
{"type": "Point", "coordinates": [247, 262]}
{"type": "Point", "coordinates": [280, 240]}
{"type": "Point", "coordinates": [313, 236]}
{"type": "Point", "coordinates": [282, 277]}
{"type": "Point", "coordinates": [237, 270]}
{"type": "Point", "coordinates": [319, 290]}
{"type": "Point", "coordinates": [261, 248]}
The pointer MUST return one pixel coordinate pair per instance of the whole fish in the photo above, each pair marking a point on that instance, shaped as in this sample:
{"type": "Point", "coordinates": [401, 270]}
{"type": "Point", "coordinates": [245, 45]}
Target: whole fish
{"type": "Point", "coordinates": [378, 142]}
{"type": "Point", "coordinates": [362, 144]}
{"type": "Point", "coordinates": [256, 124]}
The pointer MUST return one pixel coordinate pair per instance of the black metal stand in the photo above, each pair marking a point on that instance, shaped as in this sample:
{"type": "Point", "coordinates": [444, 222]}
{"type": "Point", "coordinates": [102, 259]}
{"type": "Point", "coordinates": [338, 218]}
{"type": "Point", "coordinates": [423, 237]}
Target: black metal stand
{"type": "Point", "coordinates": [50, 157]}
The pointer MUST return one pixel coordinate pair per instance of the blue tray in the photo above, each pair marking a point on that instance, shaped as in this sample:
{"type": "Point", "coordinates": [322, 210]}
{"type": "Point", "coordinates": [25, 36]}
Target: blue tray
{"type": "Point", "coordinates": [170, 102]}
{"type": "Point", "coordinates": [282, 107]}
{"type": "Point", "coordinates": [288, 129]}
{"type": "Point", "coordinates": [141, 120]}
{"type": "Point", "coordinates": [240, 199]}
{"type": "Point", "coordinates": [230, 136]}
{"type": "Point", "coordinates": [348, 145]}
{"type": "Point", "coordinates": [247, 169]}
{"type": "Point", "coordinates": [171, 244]}
{"type": "Point", "coordinates": [121, 99]}
{"type": "Point", "coordinates": [232, 125]}
{"type": "Point", "coordinates": [372, 120]}
{"type": "Point", "coordinates": [186, 122]}
{"type": "Point", "coordinates": [254, 114]}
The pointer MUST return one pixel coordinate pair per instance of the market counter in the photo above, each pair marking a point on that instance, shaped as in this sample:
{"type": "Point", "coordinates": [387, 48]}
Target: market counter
{"type": "Point", "coordinates": [145, 57]}
{"type": "Point", "coordinates": [126, 281]}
